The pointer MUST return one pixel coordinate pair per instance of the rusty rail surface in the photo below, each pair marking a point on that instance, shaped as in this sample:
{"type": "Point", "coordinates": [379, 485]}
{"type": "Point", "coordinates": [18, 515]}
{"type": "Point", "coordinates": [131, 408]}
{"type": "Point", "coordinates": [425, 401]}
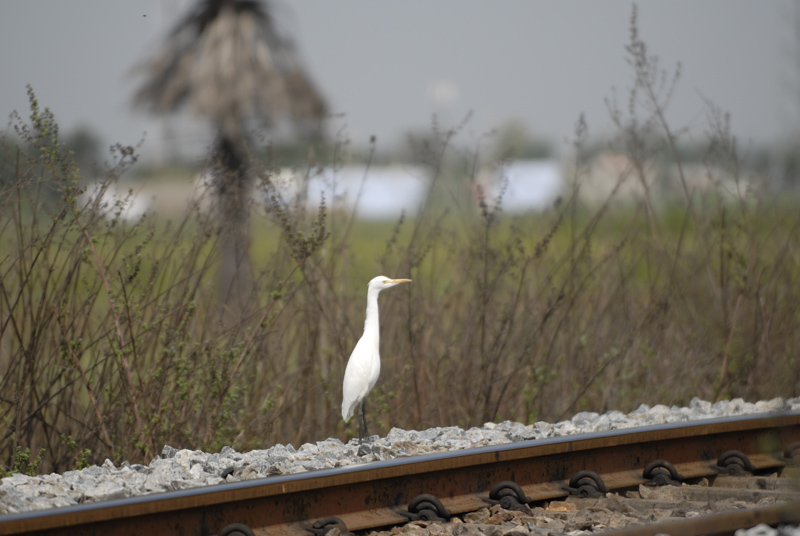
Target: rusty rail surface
{"type": "Point", "coordinates": [723, 523]}
{"type": "Point", "coordinates": [378, 494]}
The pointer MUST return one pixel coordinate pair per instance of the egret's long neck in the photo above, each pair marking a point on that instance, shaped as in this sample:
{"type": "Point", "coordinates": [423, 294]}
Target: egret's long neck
{"type": "Point", "coordinates": [371, 324]}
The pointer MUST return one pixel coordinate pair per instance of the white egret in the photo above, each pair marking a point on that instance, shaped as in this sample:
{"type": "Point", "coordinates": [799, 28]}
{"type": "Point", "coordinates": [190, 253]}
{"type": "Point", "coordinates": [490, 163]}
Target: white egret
{"type": "Point", "coordinates": [364, 365]}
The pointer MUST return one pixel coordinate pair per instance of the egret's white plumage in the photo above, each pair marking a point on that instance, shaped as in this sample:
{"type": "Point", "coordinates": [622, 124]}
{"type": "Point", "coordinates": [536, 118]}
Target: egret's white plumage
{"type": "Point", "coordinates": [364, 365]}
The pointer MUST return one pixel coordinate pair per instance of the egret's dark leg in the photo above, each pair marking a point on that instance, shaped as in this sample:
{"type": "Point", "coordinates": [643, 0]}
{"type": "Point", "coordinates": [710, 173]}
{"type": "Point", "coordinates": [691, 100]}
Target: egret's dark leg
{"type": "Point", "coordinates": [362, 422]}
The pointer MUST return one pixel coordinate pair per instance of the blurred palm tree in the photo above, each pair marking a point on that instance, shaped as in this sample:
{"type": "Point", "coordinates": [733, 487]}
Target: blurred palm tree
{"type": "Point", "coordinates": [226, 60]}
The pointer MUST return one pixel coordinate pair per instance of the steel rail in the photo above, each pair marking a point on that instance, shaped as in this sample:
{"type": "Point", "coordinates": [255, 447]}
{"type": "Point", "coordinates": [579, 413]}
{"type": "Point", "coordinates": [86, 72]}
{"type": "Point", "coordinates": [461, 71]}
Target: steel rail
{"type": "Point", "coordinates": [719, 524]}
{"type": "Point", "coordinates": [377, 494]}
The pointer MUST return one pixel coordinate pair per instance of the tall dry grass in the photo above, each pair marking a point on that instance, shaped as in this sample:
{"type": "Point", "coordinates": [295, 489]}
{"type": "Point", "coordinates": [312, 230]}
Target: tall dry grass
{"type": "Point", "coordinates": [114, 342]}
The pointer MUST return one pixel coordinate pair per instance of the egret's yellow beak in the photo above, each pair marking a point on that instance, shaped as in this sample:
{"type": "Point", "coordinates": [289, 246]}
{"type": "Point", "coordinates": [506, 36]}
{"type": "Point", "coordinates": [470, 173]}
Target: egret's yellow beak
{"type": "Point", "coordinates": [401, 281]}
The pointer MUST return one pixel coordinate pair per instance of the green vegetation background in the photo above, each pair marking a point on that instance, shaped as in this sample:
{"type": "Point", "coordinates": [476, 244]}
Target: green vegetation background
{"type": "Point", "coordinates": [115, 339]}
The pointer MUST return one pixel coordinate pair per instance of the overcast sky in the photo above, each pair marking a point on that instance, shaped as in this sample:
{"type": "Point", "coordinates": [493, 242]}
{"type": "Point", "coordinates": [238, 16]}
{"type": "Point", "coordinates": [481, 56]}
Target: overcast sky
{"type": "Point", "coordinates": [386, 67]}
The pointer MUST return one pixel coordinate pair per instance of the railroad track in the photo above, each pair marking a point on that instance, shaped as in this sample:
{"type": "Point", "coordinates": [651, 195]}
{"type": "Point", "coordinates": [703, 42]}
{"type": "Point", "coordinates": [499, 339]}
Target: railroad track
{"type": "Point", "coordinates": [558, 476]}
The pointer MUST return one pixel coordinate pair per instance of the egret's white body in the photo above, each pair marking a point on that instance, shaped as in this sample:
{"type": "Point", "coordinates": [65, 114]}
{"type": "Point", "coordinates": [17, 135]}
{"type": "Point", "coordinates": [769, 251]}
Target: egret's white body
{"type": "Point", "coordinates": [364, 365]}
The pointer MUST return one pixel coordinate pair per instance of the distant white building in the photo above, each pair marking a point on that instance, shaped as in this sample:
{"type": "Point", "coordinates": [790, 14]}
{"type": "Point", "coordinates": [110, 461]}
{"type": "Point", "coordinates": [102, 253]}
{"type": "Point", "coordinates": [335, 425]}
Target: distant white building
{"type": "Point", "coordinates": [164, 195]}
{"type": "Point", "coordinates": [130, 204]}
{"type": "Point", "coordinates": [525, 185]}
{"type": "Point", "coordinates": [374, 193]}
{"type": "Point", "coordinates": [614, 173]}
{"type": "Point", "coordinates": [616, 177]}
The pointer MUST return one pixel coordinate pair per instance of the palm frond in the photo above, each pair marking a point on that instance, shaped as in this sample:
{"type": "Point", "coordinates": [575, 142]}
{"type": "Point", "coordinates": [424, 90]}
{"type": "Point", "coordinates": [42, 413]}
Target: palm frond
{"type": "Point", "coordinates": [227, 61]}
